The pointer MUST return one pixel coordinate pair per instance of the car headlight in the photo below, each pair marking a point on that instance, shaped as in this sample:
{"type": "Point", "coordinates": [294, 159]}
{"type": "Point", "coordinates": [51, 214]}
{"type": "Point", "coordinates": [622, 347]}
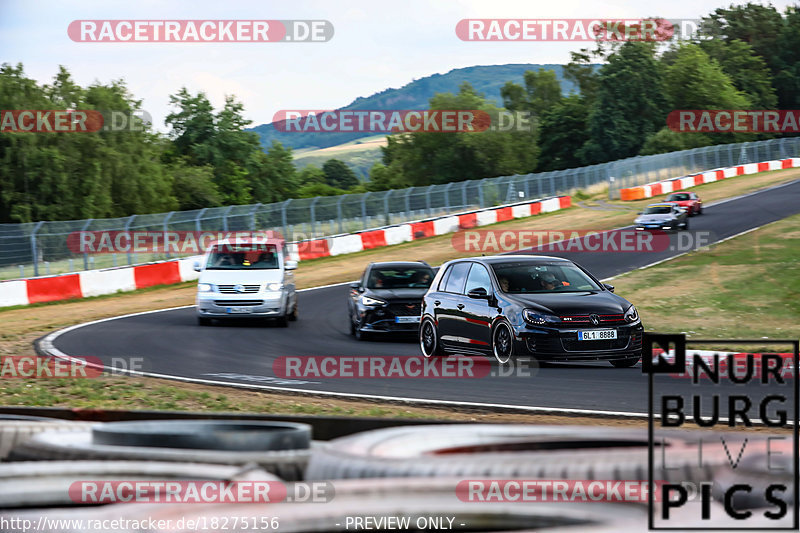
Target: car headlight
{"type": "Point", "coordinates": [631, 315]}
{"type": "Point", "coordinates": [274, 286]}
{"type": "Point", "coordinates": [539, 318]}
{"type": "Point", "coordinates": [366, 300]}
{"type": "Point", "coordinates": [205, 287]}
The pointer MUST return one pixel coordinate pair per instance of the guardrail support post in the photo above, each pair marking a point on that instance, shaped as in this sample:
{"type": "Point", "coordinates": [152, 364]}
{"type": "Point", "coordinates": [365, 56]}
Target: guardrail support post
{"type": "Point", "coordinates": [127, 230]}
{"type": "Point", "coordinates": [225, 218]}
{"type": "Point", "coordinates": [313, 215]}
{"type": "Point", "coordinates": [339, 212]}
{"type": "Point", "coordinates": [85, 254]}
{"type": "Point", "coordinates": [253, 217]}
{"type": "Point", "coordinates": [166, 229]}
{"type": "Point", "coordinates": [284, 223]}
{"type": "Point", "coordinates": [364, 209]}
{"type": "Point", "coordinates": [387, 218]}
{"type": "Point", "coordinates": [34, 250]}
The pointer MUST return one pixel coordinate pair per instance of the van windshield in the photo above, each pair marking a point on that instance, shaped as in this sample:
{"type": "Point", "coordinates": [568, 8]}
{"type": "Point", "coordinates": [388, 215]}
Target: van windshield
{"type": "Point", "coordinates": [244, 258]}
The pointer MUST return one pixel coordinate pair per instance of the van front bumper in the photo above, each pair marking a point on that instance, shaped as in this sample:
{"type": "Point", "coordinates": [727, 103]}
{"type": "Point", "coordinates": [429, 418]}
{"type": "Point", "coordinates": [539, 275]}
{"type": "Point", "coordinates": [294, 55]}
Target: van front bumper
{"type": "Point", "coordinates": [260, 305]}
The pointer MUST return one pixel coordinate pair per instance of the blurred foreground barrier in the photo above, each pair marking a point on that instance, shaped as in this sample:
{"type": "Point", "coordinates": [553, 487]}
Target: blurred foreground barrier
{"type": "Point", "coordinates": [545, 452]}
{"type": "Point", "coordinates": [280, 448]}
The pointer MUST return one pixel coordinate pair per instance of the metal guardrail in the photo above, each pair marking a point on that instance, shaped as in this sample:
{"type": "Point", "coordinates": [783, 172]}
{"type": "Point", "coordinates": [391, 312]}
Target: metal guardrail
{"type": "Point", "coordinates": [40, 248]}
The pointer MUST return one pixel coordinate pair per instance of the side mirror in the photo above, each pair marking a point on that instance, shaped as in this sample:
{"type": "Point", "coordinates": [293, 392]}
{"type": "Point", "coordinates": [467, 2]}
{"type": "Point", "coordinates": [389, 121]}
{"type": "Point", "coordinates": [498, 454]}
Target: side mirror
{"type": "Point", "coordinates": [290, 265]}
{"type": "Point", "coordinates": [196, 266]}
{"type": "Point", "coordinates": [479, 293]}
{"type": "Point", "coordinates": [609, 288]}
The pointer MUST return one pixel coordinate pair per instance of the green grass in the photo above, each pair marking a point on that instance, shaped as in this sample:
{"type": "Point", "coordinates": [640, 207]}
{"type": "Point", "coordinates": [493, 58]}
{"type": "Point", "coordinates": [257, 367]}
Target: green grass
{"type": "Point", "coordinates": [746, 288]}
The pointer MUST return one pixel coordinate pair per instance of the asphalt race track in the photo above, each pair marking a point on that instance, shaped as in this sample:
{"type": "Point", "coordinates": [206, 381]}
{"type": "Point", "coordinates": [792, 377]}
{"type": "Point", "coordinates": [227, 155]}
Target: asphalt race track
{"type": "Point", "coordinates": [171, 342]}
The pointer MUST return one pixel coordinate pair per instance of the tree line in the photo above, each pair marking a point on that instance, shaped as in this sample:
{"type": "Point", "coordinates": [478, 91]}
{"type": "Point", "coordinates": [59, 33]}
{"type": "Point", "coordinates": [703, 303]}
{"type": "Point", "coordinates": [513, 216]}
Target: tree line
{"type": "Point", "coordinates": [743, 57]}
{"type": "Point", "coordinates": [207, 159]}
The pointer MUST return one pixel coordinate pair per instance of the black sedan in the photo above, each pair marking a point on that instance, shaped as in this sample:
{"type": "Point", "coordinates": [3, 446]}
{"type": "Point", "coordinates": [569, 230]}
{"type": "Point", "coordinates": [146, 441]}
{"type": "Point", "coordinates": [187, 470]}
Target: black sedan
{"type": "Point", "coordinates": [388, 298]}
{"type": "Point", "coordinates": [546, 307]}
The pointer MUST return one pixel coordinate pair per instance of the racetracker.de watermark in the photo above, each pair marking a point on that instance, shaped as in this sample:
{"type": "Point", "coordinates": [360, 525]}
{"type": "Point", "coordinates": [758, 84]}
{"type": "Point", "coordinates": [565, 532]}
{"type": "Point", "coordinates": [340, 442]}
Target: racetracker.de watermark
{"type": "Point", "coordinates": [544, 30]}
{"type": "Point", "coordinates": [396, 367]}
{"type": "Point", "coordinates": [176, 242]}
{"type": "Point", "coordinates": [32, 366]}
{"type": "Point", "coordinates": [91, 492]}
{"type": "Point", "coordinates": [498, 241]}
{"type": "Point", "coordinates": [72, 120]}
{"type": "Point", "coordinates": [400, 120]}
{"type": "Point", "coordinates": [551, 490]}
{"type": "Point", "coordinates": [199, 31]}
{"type": "Point", "coordinates": [734, 120]}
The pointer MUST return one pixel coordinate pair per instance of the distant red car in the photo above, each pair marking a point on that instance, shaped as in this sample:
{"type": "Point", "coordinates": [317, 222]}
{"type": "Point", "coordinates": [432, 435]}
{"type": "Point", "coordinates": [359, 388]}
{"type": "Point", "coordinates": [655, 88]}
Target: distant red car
{"type": "Point", "coordinates": [689, 200]}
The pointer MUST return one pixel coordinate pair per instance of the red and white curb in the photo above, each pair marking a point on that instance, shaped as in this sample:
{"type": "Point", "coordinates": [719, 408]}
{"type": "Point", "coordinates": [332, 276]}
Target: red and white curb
{"type": "Point", "coordinates": [109, 281]}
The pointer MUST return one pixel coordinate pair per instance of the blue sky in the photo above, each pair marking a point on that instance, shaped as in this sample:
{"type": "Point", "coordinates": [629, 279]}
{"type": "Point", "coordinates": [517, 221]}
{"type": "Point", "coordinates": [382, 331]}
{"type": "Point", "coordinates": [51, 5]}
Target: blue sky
{"type": "Point", "coordinates": [377, 44]}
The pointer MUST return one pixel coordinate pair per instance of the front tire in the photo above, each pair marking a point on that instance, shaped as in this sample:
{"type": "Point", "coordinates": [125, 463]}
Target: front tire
{"type": "Point", "coordinates": [281, 321]}
{"type": "Point", "coordinates": [503, 343]}
{"type": "Point", "coordinates": [686, 225]}
{"type": "Point", "coordinates": [429, 341]}
{"type": "Point", "coordinates": [203, 321]}
{"type": "Point", "coordinates": [292, 317]}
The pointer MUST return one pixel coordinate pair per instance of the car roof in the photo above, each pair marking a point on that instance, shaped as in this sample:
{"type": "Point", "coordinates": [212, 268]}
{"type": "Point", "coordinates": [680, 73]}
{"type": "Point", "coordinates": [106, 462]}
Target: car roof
{"type": "Point", "coordinates": [399, 264]}
{"type": "Point", "coordinates": [492, 259]}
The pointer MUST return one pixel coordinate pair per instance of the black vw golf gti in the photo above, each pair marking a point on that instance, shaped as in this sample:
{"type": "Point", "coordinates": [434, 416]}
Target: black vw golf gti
{"type": "Point", "coordinates": [510, 305]}
{"type": "Point", "coordinates": [388, 298]}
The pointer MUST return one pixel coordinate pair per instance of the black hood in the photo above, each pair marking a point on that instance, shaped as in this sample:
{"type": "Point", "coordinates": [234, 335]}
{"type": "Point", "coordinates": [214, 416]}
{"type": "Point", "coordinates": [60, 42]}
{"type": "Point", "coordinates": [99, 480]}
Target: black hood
{"type": "Point", "coordinates": [573, 303]}
{"type": "Point", "coordinates": [399, 294]}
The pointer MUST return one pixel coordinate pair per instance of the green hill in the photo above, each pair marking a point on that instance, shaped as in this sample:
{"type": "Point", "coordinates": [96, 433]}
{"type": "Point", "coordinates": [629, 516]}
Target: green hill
{"type": "Point", "coordinates": [486, 79]}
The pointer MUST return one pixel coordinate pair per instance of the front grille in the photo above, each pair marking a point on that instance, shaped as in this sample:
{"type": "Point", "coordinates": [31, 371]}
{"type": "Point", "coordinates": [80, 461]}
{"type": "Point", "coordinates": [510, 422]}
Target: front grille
{"type": "Point", "coordinates": [604, 320]}
{"type": "Point", "coordinates": [229, 289]}
{"type": "Point", "coordinates": [405, 309]}
{"type": "Point", "coordinates": [227, 303]}
{"type": "Point", "coordinates": [574, 345]}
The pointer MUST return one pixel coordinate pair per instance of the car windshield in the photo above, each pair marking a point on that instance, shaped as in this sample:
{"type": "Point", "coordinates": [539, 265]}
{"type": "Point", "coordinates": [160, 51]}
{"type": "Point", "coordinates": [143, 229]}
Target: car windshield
{"type": "Point", "coordinates": [243, 258]}
{"type": "Point", "coordinates": [526, 277]}
{"type": "Point", "coordinates": [400, 278]}
{"type": "Point", "coordinates": [678, 197]}
{"type": "Point", "coordinates": [658, 210]}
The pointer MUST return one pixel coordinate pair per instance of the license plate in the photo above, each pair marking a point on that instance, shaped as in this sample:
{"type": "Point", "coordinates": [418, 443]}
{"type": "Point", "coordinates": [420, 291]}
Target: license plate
{"type": "Point", "coordinates": [406, 319]}
{"type": "Point", "coordinates": [597, 335]}
{"type": "Point", "coordinates": [238, 310]}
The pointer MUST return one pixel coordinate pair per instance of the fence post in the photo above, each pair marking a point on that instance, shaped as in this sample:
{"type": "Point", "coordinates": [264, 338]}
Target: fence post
{"type": "Point", "coordinates": [225, 218]}
{"type": "Point", "coordinates": [364, 208]}
{"type": "Point", "coordinates": [253, 217]}
{"type": "Point", "coordinates": [34, 251]}
{"type": "Point", "coordinates": [339, 212]}
{"type": "Point", "coordinates": [127, 231]}
{"type": "Point", "coordinates": [85, 254]}
{"type": "Point", "coordinates": [313, 215]}
{"type": "Point", "coordinates": [387, 218]}
{"type": "Point", "coordinates": [429, 209]}
{"type": "Point", "coordinates": [447, 195]}
{"type": "Point", "coordinates": [166, 221]}
{"type": "Point", "coordinates": [284, 223]}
